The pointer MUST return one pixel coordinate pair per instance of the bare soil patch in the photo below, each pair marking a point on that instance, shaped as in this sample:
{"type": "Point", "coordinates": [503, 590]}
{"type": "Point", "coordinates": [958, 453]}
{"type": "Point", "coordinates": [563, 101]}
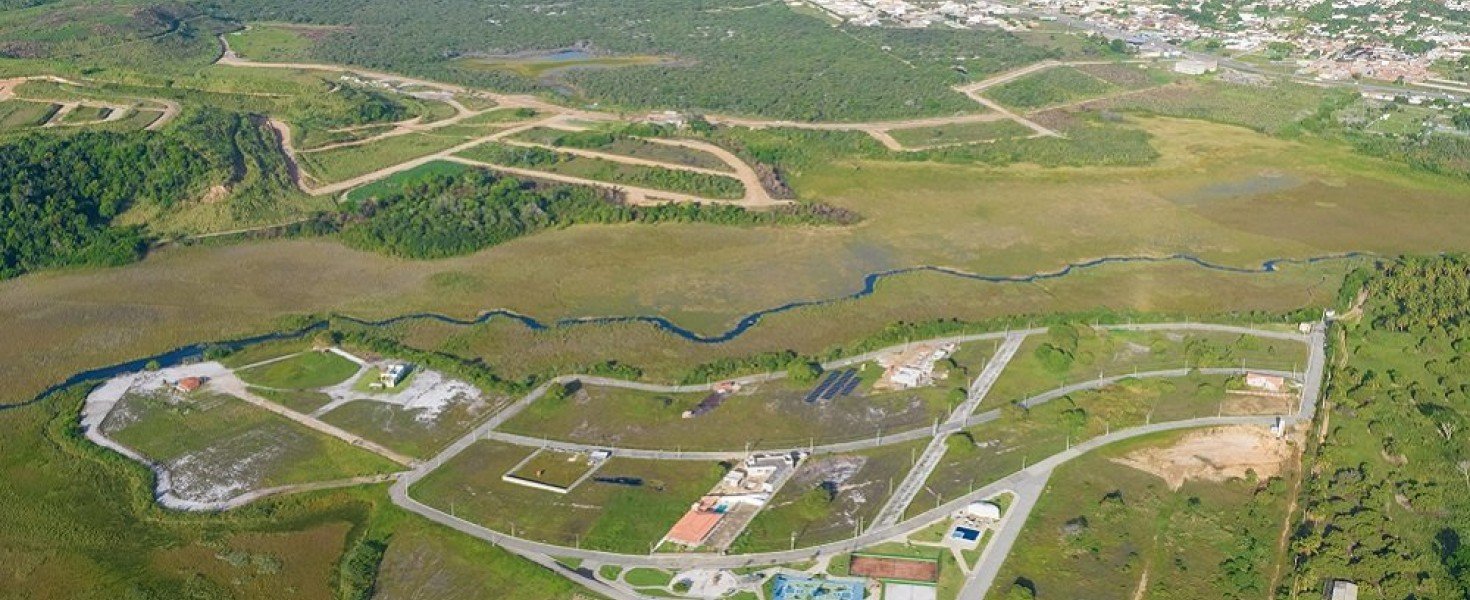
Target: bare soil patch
{"type": "Point", "coordinates": [1219, 454]}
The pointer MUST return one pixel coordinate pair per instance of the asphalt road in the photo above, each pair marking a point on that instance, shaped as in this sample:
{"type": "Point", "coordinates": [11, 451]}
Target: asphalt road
{"type": "Point", "coordinates": [1027, 484]}
{"type": "Point", "coordinates": [893, 509]}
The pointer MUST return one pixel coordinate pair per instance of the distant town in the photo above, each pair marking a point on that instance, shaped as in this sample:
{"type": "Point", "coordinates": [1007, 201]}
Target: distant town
{"type": "Point", "coordinates": [1394, 41]}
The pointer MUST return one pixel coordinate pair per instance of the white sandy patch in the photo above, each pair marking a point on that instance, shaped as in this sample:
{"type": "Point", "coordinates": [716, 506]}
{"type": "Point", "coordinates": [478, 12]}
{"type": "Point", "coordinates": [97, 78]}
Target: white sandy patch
{"type": "Point", "coordinates": [428, 393]}
{"type": "Point", "coordinates": [1219, 454]}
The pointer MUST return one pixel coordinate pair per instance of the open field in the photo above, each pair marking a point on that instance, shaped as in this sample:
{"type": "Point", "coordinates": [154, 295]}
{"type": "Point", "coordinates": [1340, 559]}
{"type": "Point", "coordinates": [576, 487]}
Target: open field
{"type": "Point", "coordinates": [828, 497]}
{"type": "Point", "coordinates": [1105, 530]}
{"type": "Point", "coordinates": [560, 469]}
{"type": "Point", "coordinates": [395, 182]}
{"type": "Point", "coordinates": [686, 272]}
{"type": "Point", "coordinates": [308, 370]}
{"type": "Point", "coordinates": [1053, 86]}
{"type": "Point", "coordinates": [965, 133]}
{"type": "Point", "coordinates": [278, 41]}
{"type": "Point", "coordinates": [216, 446]}
{"type": "Point", "coordinates": [79, 521]}
{"type": "Point", "coordinates": [606, 516]}
{"type": "Point", "coordinates": [20, 114]}
{"type": "Point", "coordinates": [409, 431]}
{"type": "Point", "coordinates": [772, 415]}
{"type": "Point", "coordinates": [632, 146]}
{"type": "Point", "coordinates": [338, 164]}
{"type": "Point", "coordinates": [1047, 362]}
{"type": "Point", "coordinates": [600, 169]}
{"type": "Point", "coordinates": [987, 452]}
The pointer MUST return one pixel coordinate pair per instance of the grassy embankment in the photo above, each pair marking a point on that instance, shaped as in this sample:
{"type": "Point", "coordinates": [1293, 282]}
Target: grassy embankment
{"type": "Point", "coordinates": [77, 521]}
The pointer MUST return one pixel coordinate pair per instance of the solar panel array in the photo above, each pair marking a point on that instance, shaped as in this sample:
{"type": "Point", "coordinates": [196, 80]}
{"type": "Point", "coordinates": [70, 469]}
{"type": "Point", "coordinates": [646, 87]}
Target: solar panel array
{"type": "Point", "coordinates": [836, 383]}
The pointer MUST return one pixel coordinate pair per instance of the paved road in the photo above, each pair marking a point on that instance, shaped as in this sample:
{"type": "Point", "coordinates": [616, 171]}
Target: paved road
{"type": "Point", "coordinates": [983, 577]}
{"type": "Point", "coordinates": [899, 501]}
{"type": "Point", "coordinates": [400, 496]}
{"type": "Point", "coordinates": [857, 444]}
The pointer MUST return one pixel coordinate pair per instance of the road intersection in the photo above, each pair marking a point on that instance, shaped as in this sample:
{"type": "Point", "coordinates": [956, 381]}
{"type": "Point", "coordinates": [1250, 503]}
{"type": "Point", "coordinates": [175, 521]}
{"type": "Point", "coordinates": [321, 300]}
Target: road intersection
{"type": "Point", "coordinates": [1026, 484]}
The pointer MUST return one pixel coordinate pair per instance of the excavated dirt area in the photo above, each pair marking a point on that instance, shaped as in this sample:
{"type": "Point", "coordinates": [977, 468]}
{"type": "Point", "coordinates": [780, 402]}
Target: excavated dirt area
{"type": "Point", "coordinates": [1219, 454]}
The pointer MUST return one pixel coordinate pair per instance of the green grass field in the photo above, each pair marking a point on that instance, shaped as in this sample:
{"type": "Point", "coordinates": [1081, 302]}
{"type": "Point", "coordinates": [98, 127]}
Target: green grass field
{"type": "Point", "coordinates": [337, 164]}
{"type": "Point", "coordinates": [1039, 367]}
{"type": "Point", "coordinates": [987, 452]}
{"type": "Point", "coordinates": [597, 515]}
{"type": "Point", "coordinates": [560, 469]}
{"type": "Point", "coordinates": [403, 430]}
{"type": "Point", "coordinates": [635, 147]}
{"type": "Point", "coordinates": [1058, 85]}
{"type": "Point", "coordinates": [1131, 536]}
{"type": "Point", "coordinates": [277, 42]}
{"type": "Point", "coordinates": [309, 370]}
{"type": "Point", "coordinates": [965, 133]}
{"type": "Point", "coordinates": [395, 182]}
{"type": "Point", "coordinates": [302, 401]}
{"type": "Point", "coordinates": [85, 114]}
{"type": "Point", "coordinates": [79, 521]}
{"type": "Point", "coordinates": [20, 114]}
{"type": "Point", "coordinates": [806, 508]}
{"type": "Point", "coordinates": [213, 441]}
{"type": "Point", "coordinates": [598, 169]}
{"type": "Point", "coordinates": [687, 272]}
{"type": "Point", "coordinates": [774, 414]}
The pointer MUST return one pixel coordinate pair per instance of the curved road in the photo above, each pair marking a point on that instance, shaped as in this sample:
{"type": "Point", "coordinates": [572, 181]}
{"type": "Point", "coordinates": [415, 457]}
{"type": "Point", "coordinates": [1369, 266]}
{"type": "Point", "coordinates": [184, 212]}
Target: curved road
{"type": "Point", "coordinates": [1021, 482]}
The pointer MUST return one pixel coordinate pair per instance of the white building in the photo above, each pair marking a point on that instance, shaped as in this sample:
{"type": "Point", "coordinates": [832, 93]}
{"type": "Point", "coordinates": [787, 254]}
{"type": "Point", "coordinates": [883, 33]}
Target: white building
{"type": "Point", "coordinates": [1196, 67]}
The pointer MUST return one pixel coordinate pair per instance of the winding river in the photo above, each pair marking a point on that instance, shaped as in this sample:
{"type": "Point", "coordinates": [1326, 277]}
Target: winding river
{"type": "Point", "coordinates": [193, 352]}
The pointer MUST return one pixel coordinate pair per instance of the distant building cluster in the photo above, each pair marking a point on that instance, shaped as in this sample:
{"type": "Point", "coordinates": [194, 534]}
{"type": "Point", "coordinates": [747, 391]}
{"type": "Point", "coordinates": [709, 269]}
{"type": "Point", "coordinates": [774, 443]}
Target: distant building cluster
{"type": "Point", "coordinates": [921, 13]}
{"type": "Point", "coordinates": [1387, 40]}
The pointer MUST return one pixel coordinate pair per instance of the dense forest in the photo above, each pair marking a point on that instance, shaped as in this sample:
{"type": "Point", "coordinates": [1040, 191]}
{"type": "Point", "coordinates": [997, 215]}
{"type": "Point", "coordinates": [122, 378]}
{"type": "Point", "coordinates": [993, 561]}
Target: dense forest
{"type": "Point", "coordinates": [762, 59]}
{"type": "Point", "coordinates": [1387, 504]}
{"type": "Point", "coordinates": [442, 215]}
{"type": "Point", "coordinates": [61, 193]}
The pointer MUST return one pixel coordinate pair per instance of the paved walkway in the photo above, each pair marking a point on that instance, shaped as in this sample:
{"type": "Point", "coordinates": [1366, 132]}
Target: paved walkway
{"type": "Point", "coordinates": [899, 501]}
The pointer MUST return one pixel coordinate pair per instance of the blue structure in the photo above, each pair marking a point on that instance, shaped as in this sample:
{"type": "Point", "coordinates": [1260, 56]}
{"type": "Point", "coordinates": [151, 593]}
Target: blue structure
{"type": "Point", "coordinates": [967, 534]}
{"type": "Point", "coordinates": [788, 587]}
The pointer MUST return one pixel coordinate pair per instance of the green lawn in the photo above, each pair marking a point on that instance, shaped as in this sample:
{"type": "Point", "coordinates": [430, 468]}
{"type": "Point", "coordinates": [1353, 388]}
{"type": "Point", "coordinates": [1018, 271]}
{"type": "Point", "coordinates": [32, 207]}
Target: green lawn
{"type": "Point", "coordinates": [396, 182]}
{"type": "Point", "coordinates": [774, 414]}
{"type": "Point", "coordinates": [227, 441]}
{"type": "Point", "coordinates": [560, 469]}
{"type": "Point", "coordinates": [302, 401]}
{"type": "Point", "coordinates": [19, 114]}
{"type": "Point", "coordinates": [625, 145]}
{"type": "Point", "coordinates": [1053, 86]}
{"type": "Point", "coordinates": [963, 133]}
{"type": "Point", "coordinates": [86, 114]}
{"type": "Point", "coordinates": [404, 431]}
{"type": "Point", "coordinates": [604, 516]}
{"type": "Point", "coordinates": [598, 169]}
{"type": "Point", "coordinates": [646, 577]}
{"type": "Point", "coordinates": [1207, 540]}
{"type": "Point", "coordinates": [272, 42]}
{"type": "Point", "coordinates": [1051, 360]}
{"type": "Point", "coordinates": [305, 371]}
{"type": "Point", "coordinates": [338, 164]}
{"type": "Point", "coordinates": [988, 452]}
